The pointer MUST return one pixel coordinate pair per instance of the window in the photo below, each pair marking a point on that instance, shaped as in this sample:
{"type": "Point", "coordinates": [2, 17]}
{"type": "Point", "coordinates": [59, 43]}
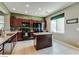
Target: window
{"type": "Point", "coordinates": [57, 23]}
{"type": "Point", "coordinates": [1, 22]}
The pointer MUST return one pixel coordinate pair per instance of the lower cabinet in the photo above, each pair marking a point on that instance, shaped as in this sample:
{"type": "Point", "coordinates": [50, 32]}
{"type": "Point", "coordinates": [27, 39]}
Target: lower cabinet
{"type": "Point", "coordinates": [19, 36]}
{"type": "Point", "coordinates": [43, 41]}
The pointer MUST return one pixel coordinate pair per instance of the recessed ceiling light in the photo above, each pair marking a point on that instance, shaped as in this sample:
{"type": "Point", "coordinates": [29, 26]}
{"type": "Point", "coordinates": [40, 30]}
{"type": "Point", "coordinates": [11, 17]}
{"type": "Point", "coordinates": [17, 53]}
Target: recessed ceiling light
{"type": "Point", "coordinates": [48, 11]}
{"type": "Point", "coordinates": [27, 5]}
{"type": "Point", "coordinates": [13, 8]}
{"type": "Point", "coordinates": [39, 9]}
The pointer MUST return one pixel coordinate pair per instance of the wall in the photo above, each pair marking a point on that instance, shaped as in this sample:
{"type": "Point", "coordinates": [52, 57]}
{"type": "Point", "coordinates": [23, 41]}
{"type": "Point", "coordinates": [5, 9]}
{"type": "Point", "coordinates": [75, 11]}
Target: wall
{"type": "Point", "coordinates": [7, 22]}
{"type": "Point", "coordinates": [6, 16]}
{"type": "Point", "coordinates": [71, 35]}
{"type": "Point", "coordinates": [26, 16]}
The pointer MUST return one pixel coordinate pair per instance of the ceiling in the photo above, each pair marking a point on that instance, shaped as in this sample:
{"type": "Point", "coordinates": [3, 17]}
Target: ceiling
{"type": "Point", "coordinates": [41, 9]}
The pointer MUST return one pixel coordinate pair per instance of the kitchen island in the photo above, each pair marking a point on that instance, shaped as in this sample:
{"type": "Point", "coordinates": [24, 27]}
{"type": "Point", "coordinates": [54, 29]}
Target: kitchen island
{"type": "Point", "coordinates": [42, 40]}
{"type": "Point", "coordinates": [8, 37]}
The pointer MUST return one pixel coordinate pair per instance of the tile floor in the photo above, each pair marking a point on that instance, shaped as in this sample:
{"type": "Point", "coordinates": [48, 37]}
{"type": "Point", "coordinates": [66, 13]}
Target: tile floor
{"type": "Point", "coordinates": [26, 47]}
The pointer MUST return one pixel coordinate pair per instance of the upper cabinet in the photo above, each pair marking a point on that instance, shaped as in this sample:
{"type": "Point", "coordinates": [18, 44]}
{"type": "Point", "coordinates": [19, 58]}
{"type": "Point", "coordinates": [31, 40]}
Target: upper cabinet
{"type": "Point", "coordinates": [16, 23]}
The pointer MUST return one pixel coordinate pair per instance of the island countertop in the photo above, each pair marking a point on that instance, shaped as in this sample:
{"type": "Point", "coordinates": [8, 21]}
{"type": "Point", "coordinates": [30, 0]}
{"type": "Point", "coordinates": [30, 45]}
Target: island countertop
{"type": "Point", "coordinates": [7, 35]}
{"type": "Point", "coordinates": [42, 33]}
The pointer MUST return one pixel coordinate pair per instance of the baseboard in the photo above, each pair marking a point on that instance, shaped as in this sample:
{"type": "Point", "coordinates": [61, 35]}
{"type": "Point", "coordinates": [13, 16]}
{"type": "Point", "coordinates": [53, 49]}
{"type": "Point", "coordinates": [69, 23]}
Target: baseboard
{"type": "Point", "coordinates": [66, 44]}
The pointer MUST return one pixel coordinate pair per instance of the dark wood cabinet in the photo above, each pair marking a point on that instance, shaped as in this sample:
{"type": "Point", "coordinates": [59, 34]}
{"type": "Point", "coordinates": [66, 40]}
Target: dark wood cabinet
{"type": "Point", "coordinates": [17, 24]}
{"type": "Point", "coordinates": [12, 20]}
{"type": "Point", "coordinates": [43, 41]}
{"type": "Point", "coordinates": [19, 36]}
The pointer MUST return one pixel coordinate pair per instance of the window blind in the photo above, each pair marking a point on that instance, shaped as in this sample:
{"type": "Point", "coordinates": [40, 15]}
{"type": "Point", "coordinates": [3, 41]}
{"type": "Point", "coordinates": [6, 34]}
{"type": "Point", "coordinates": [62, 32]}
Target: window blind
{"type": "Point", "coordinates": [57, 16]}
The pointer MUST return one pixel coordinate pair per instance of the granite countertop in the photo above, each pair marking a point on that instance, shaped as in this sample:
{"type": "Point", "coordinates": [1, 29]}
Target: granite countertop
{"type": "Point", "coordinates": [7, 35]}
{"type": "Point", "coordinates": [42, 33]}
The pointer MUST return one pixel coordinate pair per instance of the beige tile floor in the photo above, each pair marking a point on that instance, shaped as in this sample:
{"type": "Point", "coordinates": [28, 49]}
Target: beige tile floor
{"type": "Point", "coordinates": [26, 47]}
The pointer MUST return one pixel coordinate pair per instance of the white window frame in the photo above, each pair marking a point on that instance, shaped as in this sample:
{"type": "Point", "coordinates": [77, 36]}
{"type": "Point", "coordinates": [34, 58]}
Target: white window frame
{"type": "Point", "coordinates": [57, 27]}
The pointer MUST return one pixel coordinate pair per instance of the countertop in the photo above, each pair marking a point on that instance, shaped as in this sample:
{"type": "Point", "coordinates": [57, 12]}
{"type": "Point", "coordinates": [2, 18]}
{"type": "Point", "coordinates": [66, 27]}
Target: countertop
{"type": "Point", "coordinates": [42, 33]}
{"type": "Point", "coordinates": [7, 35]}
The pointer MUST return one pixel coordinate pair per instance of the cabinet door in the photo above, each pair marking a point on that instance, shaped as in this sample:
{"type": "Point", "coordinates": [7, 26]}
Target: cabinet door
{"type": "Point", "coordinates": [19, 36]}
{"type": "Point", "coordinates": [11, 22]}
{"type": "Point", "coordinates": [12, 18]}
{"type": "Point", "coordinates": [43, 41]}
{"type": "Point", "coordinates": [17, 22]}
